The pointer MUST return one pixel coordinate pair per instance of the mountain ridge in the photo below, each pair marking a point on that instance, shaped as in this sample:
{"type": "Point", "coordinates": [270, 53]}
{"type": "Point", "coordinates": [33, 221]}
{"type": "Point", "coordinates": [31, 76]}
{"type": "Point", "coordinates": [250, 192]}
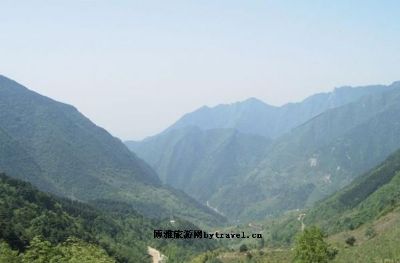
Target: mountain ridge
{"type": "Point", "coordinates": [294, 170]}
{"type": "Point", "coordinates": [83, 161]}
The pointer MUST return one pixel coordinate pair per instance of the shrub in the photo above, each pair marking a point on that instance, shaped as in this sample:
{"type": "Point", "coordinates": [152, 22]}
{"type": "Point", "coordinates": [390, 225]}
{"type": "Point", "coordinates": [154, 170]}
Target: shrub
{"type": "Point", "coordinates": [311, 247]}
{"type": "Point", "coordinates": [243, 248]}
{"type": "Point", "coordinates": [370, 232]}
{"type": "Point", "coordinates": [350, 241]}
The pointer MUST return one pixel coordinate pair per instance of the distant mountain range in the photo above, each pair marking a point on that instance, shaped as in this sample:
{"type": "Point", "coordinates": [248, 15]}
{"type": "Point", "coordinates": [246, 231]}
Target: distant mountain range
{"type": "Point", "coordinates": [253, 116]}
{"type": "Point", "coordinates": [249, 160]}
{"type": "Point", "coordinates": [59, 150]}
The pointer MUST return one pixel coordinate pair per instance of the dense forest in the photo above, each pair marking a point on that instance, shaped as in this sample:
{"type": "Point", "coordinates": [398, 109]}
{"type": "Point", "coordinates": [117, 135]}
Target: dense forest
{"type": "Point", "coordinates": [38, 227]}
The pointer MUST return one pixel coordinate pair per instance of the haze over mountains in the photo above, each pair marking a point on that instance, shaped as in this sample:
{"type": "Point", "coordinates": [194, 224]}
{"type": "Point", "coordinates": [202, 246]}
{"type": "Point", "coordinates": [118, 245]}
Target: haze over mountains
{"type": "Point", "coordinates": [59, 150]}
{"type": "Point", "coordinates": [250, 160]}
{"type": "Point", "coordinates": [256, 117]}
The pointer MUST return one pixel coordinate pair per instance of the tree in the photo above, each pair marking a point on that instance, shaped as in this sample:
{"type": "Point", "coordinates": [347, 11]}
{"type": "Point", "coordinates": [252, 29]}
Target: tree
{"type": "Point", "coordinates": [350, 241]}
{"type": "Point", "coordinates": [40, 251]}
{"type": "Point", "coordinates": [243, 248]}
{"type": "Point", "coordinates": [311, 247]}
{"type": "Point", "coordinates": [7, 255]}
{"type": "Point", "coordinates": [77, 251]}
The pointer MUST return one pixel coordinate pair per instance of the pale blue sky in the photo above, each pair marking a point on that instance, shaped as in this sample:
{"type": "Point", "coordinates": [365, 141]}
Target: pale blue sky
{"type": "Point", "coordinates": [134, 67]}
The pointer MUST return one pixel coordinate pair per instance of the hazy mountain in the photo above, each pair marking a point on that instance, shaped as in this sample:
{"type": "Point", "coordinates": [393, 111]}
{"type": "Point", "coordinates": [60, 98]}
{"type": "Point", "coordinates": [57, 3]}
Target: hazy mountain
{"type": "Point", "coordinates": [70, 155]}
{"type": "Point", "coordinates": [319, 146]}
{"type": "Point", "coordinates": [200, 162]}
{"type": "Point", "coordinates": [324, 154]}
{"type": "Point", "coordinates": [14, 159]}
{"type": "Point", "coordinates": [256, 117]}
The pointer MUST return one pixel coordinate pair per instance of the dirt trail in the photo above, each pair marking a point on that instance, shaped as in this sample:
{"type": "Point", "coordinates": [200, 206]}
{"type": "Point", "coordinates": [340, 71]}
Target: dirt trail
{"type": "Point", "coordinates": [156, 255]}
{"type": "Point", "coordinates": [301, 219]}
{"type": "Point", "coordinates": [214, 208]}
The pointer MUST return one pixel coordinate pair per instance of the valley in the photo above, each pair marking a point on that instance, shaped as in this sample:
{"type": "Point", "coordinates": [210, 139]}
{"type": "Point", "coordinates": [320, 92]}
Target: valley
{"type": "Point", "coordinates": [69, 184]}
{"type": "Point", "coordinates": [199, 131]}
{"type": "Point", "coordinates": [328, 140]}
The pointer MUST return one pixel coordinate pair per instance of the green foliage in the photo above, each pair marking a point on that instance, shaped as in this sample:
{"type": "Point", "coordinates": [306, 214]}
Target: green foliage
{"type": "Point", "coordinates": [282, 232]}
{"type": "Point", "coordinates": [372, 195]}
{"type": "Point", "coordinates": [76, 251]}
{"type": "Point", "coordinates": [42, 251]}
{"type": "Point", "coordinates": [383, 247]}
{"type": "Point", "coordinates": [243, 248]}
{"type": "Point", "coordinates": [311, 247]}
{"type": "Point", "coordinates": [207, 257]}
{"type": "Point", "coordinates": [370, 232]}
{"type": "Point", "coordinates": [351, 240]}
{"type": "Point", "coordinates": [114, 228]}
{"type": "Point", "coordinates": [7, 255]}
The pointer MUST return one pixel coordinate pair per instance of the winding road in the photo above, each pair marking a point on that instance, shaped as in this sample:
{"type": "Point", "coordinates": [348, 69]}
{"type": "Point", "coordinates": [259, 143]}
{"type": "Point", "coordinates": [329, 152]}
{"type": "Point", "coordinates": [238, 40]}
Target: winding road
{"type": "Point", "coordinates": [156, 255]}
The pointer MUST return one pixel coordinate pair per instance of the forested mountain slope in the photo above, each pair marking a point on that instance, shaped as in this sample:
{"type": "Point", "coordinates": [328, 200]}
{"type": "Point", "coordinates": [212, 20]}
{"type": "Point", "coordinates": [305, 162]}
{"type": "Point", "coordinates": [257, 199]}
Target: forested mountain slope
{"type": "Point", "coordinates": [44, 228]}
{"type": "Point", "coordinates": [200, 162]}
{"type": "Point", "coordinates": [370, 196]}
{"type": "Point", "coordinates": [347, 132]}
{"type": "Point", "coordinates": [368, 206]}
{"type": "Point", "coordinates": [15, 160]}
{"type": "Point", "coordinates": [330, 150]}
{"type": "Point", "coordinates": [360, 222]}
{"type": "Point", "coordinates": [69, 155]}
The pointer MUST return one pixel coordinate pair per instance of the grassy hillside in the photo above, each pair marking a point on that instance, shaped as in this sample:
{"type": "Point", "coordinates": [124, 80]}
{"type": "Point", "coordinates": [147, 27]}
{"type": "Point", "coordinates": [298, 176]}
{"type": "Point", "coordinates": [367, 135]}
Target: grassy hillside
{"type": "Point", "coordinates": [365, 202]}
{"type": "Point", "coordinates": [367, 198]}
{"type": "Point", "coordinates": [362, 223]}
{"type": "Point", "coordinates": [375, 242]}
{"type": "Point", "coordinates": [69, 155]}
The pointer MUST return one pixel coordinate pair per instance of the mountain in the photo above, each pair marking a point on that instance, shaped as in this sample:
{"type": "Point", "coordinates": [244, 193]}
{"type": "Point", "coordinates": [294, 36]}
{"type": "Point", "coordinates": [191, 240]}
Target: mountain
{"type": "Point", "coordinates": [361, 222]}
{"type": "Point", "coordinates": [253, 116]}
{"type": "Point", "coordinates": [13, 155]}
{"type": "Point", "coordinates": [368, 198]}
{"type": "Point", "coordinates": [370, 205]}
{"type": "Point", "coordinates": [60, 150]}
{"type": "Point", "coordinates": [318, 146]}
{"type": "Point", "coordinates": [44, 228]}
{"type": "Point", "coordinates": [201, 162]}
{"type": "Point", "coordinates": [330, 150]}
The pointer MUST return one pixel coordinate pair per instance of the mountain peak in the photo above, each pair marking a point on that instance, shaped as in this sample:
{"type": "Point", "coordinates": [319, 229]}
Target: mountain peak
{"type": "Point", "coordinates": [4, 78]}
{"type": "Point", "coordinates": [395, 83]}
{"type": "Point", "coordinates": [254, 100]}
